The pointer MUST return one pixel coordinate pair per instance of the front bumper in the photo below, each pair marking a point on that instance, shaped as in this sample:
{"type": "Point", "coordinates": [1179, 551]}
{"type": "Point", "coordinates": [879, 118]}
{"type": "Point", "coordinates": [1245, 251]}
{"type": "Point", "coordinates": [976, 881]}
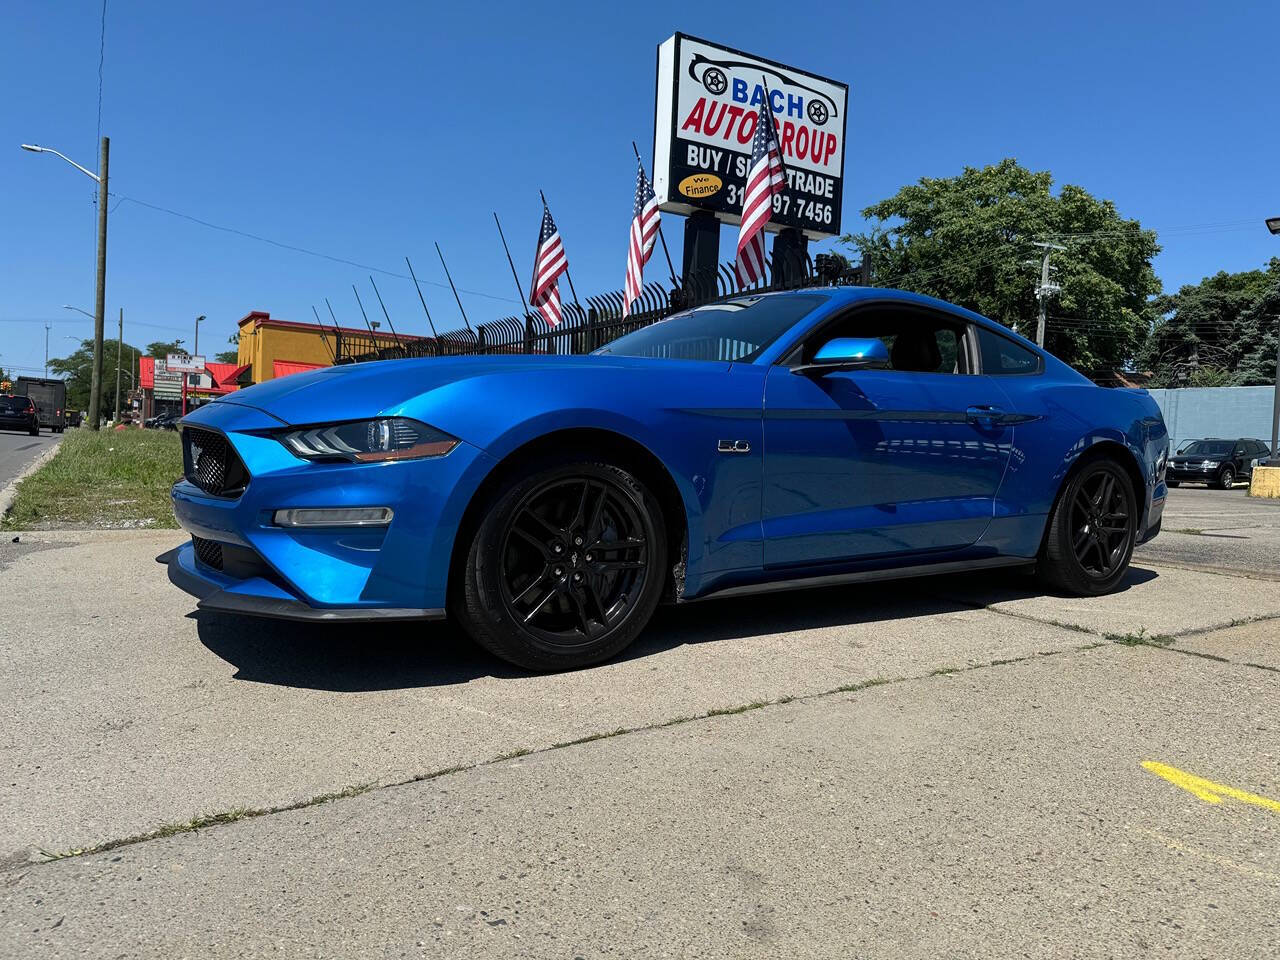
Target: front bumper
{"type": "Point", "coordinates": [259, 597]}
{"type": "Point", "coordinates": [395, 572]}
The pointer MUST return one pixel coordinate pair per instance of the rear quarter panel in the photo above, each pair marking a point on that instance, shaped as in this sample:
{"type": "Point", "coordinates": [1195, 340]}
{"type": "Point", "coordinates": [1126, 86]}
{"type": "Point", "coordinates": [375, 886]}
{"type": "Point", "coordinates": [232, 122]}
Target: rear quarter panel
{"type": "Point", "coordinates": [1071, 417]}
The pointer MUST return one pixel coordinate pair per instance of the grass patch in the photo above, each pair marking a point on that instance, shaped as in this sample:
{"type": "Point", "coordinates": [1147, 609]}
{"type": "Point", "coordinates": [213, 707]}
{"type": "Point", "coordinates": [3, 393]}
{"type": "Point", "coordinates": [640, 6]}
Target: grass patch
{"type": "Point", "coordinates": [1140, 639]}
{"type": "Point", "coordinates": [112, 479]}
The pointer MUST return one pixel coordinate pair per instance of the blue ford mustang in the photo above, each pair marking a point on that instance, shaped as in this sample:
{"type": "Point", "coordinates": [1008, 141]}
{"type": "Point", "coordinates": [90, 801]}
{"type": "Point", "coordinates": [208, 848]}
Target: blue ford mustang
{"type": "Point", "coordinates": [549, 503]}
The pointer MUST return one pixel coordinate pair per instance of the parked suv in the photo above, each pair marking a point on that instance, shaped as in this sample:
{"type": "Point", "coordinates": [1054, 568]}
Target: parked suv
{"type": "Point", "coordinates": [19, 413]}
{"type": "Point", "coordinates": [1219, 463]}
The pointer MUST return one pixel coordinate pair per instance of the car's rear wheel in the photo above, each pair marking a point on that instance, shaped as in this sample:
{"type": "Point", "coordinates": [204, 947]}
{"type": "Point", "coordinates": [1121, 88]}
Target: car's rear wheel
{"type": "Point", "coordinates": [1091, 531]}
{"type": "Point", "coordinates": [566, 567]}
{"type": "Point", "coordinates": [1226, 478]}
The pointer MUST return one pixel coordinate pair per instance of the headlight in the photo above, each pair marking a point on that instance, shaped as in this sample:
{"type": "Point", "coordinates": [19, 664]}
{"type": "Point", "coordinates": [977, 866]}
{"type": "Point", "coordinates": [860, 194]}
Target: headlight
{"type": "Point", "coordinates": [1208, 464]}
{"type": "Point", "coordinates": [364, 441]}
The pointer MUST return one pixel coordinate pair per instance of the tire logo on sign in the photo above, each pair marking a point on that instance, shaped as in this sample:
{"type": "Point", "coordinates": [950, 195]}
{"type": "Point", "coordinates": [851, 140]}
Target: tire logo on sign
{"type": "Point", "coordinates": [700, 185]}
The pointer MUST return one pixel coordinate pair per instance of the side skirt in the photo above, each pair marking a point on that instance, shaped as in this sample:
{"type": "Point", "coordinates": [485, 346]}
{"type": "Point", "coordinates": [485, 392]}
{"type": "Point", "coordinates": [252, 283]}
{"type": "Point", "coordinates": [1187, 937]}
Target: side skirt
{"type": "Point", "coordinates": [864, 576]}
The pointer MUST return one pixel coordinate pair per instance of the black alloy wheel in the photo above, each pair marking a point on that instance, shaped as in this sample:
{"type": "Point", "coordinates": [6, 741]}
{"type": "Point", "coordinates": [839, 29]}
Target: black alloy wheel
{"type": "Point", "coordinates": [566, 568]}
{"type": "Point", "coordinates": [1100, 521]}
{"type": "Point", "coordinates": [1092, 531]}
{"type": "Point", "coordinates": [1226, 478]}
{"type": "Point", "coordinates": [574, 560]}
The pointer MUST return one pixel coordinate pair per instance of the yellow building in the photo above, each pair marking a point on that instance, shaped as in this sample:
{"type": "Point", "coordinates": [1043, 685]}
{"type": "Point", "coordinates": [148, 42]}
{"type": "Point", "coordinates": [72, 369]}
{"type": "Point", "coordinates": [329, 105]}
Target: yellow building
{"type": "Point", "coordinates": [271, 348]}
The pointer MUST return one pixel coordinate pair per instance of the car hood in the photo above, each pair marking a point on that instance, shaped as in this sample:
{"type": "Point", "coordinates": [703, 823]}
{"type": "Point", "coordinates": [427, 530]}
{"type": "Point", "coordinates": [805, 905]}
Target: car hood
{"type": "Point", "coordinates": [435, 387]}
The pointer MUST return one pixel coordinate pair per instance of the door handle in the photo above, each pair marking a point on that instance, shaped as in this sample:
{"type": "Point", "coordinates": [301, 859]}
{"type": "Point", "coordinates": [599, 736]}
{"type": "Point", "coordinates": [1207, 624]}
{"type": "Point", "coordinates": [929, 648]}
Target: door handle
{"type": "Point", "coordinates": [984, 414]}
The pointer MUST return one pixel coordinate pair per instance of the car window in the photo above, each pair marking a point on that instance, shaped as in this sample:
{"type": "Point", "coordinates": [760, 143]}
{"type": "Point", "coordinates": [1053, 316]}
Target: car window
{"type": "Point", "coordinates": [13, 404]}
{"type": "Point", "coordinates": [1000, 355]}
{"type": "Point", "coordinates": [1209, 448]}
{"type": "Point", "coordinates": [918, 341]}
{"type": "Point", "coordinates": [735, 329]}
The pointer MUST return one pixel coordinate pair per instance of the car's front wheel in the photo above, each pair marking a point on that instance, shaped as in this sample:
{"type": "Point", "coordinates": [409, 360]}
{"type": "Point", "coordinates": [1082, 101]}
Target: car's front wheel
{"type": "Point", "coordinates": [1226, 478]}
{"type": "Point", "coordinates": [1091, 531]}
{"type": "Point", "coordinates": [567, 566]}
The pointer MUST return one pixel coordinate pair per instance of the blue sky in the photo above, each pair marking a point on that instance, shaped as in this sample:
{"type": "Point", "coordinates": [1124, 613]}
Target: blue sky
{"type": "Point", "coordinates": [368, 131]}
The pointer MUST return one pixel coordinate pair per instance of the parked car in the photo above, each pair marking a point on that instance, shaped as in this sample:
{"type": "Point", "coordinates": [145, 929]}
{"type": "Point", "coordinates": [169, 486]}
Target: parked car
{"type": "Point", "coordinates": [1219, 463]}
{"type": "Point", "coordinates": [19, 413]}
{"type": "Point", "coordinates": [162, 421]}
{"type": "Point", "coordinates": [549, 503]}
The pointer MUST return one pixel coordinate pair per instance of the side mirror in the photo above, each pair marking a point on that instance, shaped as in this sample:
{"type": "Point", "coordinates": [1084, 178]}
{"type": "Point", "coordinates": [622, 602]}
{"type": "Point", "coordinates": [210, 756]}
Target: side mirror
{"type": "Point", "coordinates": [847, 353]}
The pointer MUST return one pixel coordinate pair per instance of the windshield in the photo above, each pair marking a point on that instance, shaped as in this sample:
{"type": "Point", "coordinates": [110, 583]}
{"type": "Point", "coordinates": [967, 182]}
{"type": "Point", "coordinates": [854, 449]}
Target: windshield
{"type": "Point", "coordinates": [1209, 448]}
{"type": "Point", "coordinates": [733, 330]}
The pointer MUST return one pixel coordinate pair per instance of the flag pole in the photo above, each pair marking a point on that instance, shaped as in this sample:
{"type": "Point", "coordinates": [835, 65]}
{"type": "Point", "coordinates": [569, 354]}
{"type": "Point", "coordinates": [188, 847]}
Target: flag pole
{"type": "Point", "coordinates": [331, 350]}
{"type": "Point", "coordinates": [661, 236]}
{"type": "Point", "coordinates": [337, 331]}
{"type": "Point", "coordinates": [514, 276]}
{"type": "Point", "coordinates": [418, 287]}
{"type": "Point", "coordinates": [453, 288]}
{"type": "Point", "coordinates": [566, 263]}
{"type": "Point", "coordinates": [378, 293]}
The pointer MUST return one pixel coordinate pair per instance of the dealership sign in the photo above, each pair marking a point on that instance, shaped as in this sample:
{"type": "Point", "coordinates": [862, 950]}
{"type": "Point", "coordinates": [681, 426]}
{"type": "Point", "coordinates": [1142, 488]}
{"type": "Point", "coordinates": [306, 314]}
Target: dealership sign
{"type": "Point", "coordinates": [708, 104]}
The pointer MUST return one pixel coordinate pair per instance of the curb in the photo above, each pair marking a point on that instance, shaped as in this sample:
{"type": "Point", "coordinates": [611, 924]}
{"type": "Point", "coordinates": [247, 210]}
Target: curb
{"type": "Point", "coordinates": [10, 492]}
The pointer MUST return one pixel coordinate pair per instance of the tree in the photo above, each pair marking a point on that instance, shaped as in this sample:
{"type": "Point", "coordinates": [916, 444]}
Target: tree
{"type": "Point", "coordinates": [77, 369]}
{"type": "Point", "coordinates": [161, 349]}
{"type": "Point", "coordinates": [1218, 332]}
{"type": "Point", "coordinates": [967, 239]}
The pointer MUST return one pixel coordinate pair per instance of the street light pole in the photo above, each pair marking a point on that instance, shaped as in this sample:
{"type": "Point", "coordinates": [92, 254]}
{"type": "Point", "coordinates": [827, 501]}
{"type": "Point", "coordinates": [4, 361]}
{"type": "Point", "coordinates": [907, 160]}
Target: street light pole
{"type": "Point", "coordinates": [195, 351]}
{"type": "Point", "coordinates": [119, 353]}
{"type": "Point", "coordinates": [99, 318]}
{"type": "Point", "coordinates": [1273, 224]}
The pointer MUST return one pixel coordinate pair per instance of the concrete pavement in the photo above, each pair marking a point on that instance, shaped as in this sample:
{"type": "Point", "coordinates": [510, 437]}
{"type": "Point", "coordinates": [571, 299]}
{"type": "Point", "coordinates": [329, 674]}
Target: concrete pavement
{"type": "Point", "coordinates": [990, 797]}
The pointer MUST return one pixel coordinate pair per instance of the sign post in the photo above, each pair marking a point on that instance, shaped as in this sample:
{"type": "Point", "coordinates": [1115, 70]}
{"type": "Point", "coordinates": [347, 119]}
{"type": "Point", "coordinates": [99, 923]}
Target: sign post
{"type": "Point", "coordinates": [707, 106]}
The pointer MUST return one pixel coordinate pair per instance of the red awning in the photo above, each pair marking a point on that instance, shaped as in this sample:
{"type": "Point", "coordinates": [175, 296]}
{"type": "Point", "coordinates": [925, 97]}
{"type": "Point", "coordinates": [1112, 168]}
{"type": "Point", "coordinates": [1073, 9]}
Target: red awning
{"type": "Point", "coordinates": [282, 368]}
{"type": "Point", "coordinates": [229, 376]}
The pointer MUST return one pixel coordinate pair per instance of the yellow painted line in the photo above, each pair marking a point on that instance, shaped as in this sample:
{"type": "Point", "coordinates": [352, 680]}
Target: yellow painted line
{"type": "Point", "coordinates": [1207, 790]}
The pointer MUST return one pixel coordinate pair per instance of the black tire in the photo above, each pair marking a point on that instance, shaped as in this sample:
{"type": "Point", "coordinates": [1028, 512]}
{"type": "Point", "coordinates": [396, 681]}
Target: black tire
{"type": "Point", "coordinates": [34, 431]}
{"type": "Point", "coordinates": [566, 567]}
{"type": "Point", "coordinates": [1092, 531]}
{"type": "Point", "coordinates": [1226, 477]}
{"type": "Point", "coordinates": [1172, 483]}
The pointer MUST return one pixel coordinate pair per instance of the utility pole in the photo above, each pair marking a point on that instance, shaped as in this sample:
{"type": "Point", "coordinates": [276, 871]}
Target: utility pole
{"type": "Point", "coordinates": [1045, 289]}
{"type": "Point", "coordinates": [46, 350]}
{"type": "Point", "coordinates": [119, 353]}
{"type": "Point", "coordinates": [100, 298]}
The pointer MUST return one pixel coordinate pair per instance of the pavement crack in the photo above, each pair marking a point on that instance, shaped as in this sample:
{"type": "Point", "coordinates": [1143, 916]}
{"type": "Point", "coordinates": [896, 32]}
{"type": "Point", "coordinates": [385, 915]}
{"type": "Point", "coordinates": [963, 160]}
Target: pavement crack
{"type": "Point", "coordinates": [236, 814]}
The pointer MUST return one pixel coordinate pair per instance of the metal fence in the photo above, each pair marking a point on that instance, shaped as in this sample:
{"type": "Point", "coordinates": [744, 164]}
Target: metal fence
{"type": "Point", "coordinates": [597, 320]}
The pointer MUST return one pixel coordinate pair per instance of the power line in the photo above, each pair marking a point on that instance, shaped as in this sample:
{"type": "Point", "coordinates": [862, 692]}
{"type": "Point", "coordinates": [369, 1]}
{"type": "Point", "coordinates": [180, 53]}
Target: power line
{"type": "Point", "coordinates": [296, 249]}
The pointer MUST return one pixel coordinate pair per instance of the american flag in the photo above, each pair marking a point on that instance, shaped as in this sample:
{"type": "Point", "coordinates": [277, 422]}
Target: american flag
{"type": "Point", "coordinates": [766, 177]}
{"type": "Point", "coordinates": [644, 231]}
{"type": "Point", "coordinates": [548, 264]}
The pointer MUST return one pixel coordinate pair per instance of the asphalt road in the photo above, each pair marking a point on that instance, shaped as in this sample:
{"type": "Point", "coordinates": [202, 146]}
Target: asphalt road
{"type": "Point", "coordinates": [19, 449]}
{"type": "Point", "coordinates": [949, 767]}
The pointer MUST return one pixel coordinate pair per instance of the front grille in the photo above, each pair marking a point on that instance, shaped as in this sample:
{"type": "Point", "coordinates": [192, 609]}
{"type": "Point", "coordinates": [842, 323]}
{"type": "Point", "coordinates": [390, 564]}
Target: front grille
{"type": "Point", "coordinates": [208, 552]}
{"type": "Point", "coordinates": [210, 462]}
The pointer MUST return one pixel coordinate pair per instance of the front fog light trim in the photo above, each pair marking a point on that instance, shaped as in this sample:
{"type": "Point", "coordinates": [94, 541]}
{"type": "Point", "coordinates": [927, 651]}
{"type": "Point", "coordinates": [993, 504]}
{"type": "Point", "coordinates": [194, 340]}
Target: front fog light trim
{"type": "Point", "coordinates": [334, 517]}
